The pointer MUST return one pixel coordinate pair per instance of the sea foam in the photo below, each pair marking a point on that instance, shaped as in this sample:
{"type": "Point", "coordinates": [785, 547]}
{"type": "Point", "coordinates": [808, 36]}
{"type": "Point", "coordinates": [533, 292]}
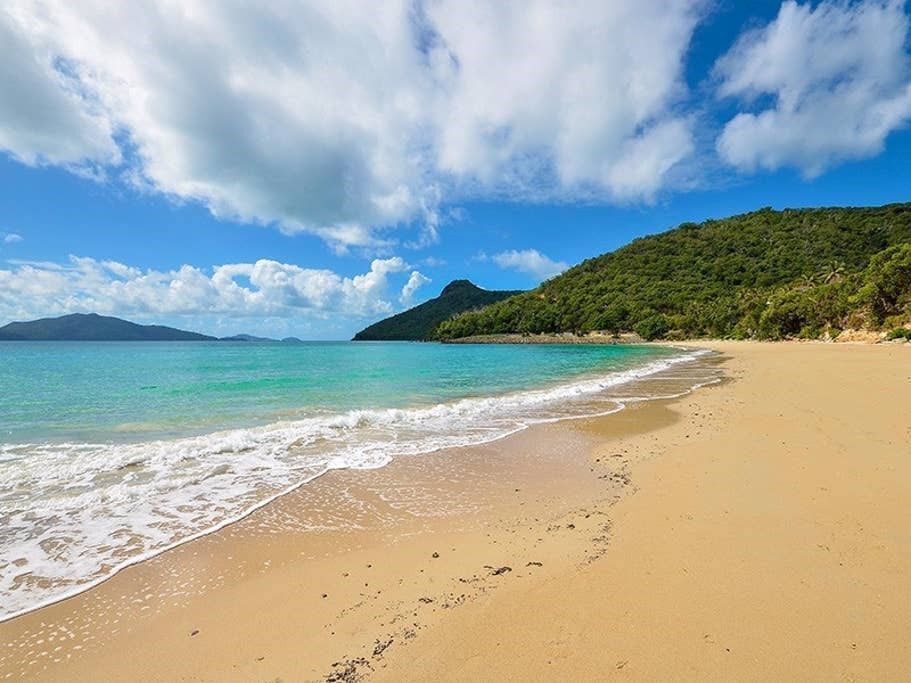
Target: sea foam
{"type": "Point", "coordinates": [73, 514]}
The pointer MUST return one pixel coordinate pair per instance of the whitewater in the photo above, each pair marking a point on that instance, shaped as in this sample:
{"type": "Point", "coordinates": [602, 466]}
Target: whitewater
{"type": "Point", "coordinates": [75, 511]}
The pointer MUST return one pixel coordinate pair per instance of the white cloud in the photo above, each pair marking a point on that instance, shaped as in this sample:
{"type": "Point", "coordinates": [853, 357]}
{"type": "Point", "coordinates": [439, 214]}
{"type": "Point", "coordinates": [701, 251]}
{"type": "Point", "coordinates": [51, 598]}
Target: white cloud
{"type": "Point", "coordinates": [261, 289]}
{"type": "Point", "coordinates": [432, 262]}
{"type": "Point", "coordinates": [559, 91]}
{"type": "Point", "coordinates": [11, 238]}
{"type": "Point", "coordinates": [343, 120]}
{"type": "Point", "coordinates": [839, 76]}
{"type": "Point", "coordinates": [416, 281]}
{"type": "Point", "coordinates": [529, 261]}
{"type": "Point", "coordinates": [45, 117]}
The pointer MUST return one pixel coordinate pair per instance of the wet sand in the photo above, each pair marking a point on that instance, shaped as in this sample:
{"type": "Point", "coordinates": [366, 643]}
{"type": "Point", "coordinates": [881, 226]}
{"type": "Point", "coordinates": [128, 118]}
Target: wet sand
{"type": "Point", "coordinates": [756, 528]}
{"type": "Point", "coordinates": [316, 583]}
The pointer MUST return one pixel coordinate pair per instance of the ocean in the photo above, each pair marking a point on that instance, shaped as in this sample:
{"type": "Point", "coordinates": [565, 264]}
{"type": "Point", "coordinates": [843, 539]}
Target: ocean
{"type": "Point", "coordinates": [113, 452]}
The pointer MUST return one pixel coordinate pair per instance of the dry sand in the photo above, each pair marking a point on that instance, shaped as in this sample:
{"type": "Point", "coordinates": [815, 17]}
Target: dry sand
{"type": "Point", "coordinates": [755, 529]}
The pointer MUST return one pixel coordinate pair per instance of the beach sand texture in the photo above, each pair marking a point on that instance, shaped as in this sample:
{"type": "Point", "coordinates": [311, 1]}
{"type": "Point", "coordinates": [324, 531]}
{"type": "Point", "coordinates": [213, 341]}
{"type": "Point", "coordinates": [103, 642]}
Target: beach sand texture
{"type": "Point", "coordinates": [756, 529]}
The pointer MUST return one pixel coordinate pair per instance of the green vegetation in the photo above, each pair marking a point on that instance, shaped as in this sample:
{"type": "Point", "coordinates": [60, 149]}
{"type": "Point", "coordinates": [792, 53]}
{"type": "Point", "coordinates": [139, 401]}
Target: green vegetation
{"type": "Point", "coordinates": [418, 323]}
{"type": "Point", "coordinates": [766, 274]}
{"type": "Point", "coordinates": [900, 333]}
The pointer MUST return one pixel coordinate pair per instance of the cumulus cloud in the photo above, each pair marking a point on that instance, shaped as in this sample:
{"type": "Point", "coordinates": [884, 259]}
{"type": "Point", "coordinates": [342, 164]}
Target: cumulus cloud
{"type": "Point", "coordinates": [415, 281]}
{"type": "Point", "coordinates": [11, 238]}
{"type": "Point", "coordinates": [263, 289]}
{"type": "Point", "coordinates": [45, 117]}
{"type": "Point", "coordinates": [560, 92]}
{"type": "Point", "coordinates": [839, 78]}
{"type": "Point", "coordinates": [529, 261]}
{"type": "Point", "coordinates": [343, 120]}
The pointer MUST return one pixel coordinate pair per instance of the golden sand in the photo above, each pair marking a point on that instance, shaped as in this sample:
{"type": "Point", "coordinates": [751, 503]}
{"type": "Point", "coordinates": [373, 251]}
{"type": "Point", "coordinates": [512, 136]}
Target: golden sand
{"type": "Point", "coordinates": [756, 529]}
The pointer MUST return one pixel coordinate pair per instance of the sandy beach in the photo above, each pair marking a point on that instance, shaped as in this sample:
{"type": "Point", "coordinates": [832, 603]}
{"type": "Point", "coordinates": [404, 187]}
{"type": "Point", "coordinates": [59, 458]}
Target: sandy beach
{"type": "Point", "coordinates": [757, 528]}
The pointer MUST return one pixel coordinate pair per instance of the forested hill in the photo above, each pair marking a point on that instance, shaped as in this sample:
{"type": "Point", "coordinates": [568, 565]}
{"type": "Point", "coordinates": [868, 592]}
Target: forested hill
{"type": "Point", "coordinates": [418, 323]}
{"type": "Point", "coordinates": [765, 274]}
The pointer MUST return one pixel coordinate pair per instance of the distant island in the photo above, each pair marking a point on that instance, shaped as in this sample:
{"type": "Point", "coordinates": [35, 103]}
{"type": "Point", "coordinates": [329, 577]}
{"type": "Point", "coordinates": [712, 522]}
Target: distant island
{"type": "Point", "coordinates": [420, 322]}
{"type": "Point", "coordinates": [94, 327]}
{"type": "Point", "coordinates": [252, 338]}
{"type": "Point", "coordinates": [796, 273]}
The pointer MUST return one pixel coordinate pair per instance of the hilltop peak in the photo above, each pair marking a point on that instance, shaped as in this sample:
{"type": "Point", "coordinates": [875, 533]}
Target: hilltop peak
{"type": "Point", "coordinates": [419, 323]}
{"type": "Point", "coordinates": [458, 286]}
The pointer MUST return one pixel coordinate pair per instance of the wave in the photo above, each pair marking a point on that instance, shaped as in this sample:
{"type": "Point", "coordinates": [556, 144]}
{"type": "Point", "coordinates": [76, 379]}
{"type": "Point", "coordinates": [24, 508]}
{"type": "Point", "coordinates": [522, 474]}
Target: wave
{"type": "Point", "coordinates": [74, 514]}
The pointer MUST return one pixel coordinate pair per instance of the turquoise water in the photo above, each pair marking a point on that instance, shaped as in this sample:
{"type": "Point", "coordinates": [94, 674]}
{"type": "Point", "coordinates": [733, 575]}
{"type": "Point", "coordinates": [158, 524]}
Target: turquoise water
{"type": "Point", "coordinates": [113, 452]}
{"type": "Point", "coordinates": [123, 391]}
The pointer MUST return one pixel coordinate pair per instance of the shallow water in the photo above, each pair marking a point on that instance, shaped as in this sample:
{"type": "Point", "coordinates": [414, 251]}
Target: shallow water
{"type": "Point", "coordinates": [112, 452]}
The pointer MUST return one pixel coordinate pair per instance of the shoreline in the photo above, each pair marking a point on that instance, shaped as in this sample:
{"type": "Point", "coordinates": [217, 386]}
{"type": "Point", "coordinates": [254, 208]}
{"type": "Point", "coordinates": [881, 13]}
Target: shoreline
{"type": "Point", "coordinates": [264, 598]}
{"type": "Point", "coordinates": [25, 621]}
{"type": "Point", "coordinates": [768, 539]}
{"type": "Point", "coordinates": [107, 605]}
{"type": "Point", "coordinates": [549, 338]}
{"type": "Point", "coordinates": [845, 337]}
{"type": "Point", "coordinates": [638, 374]}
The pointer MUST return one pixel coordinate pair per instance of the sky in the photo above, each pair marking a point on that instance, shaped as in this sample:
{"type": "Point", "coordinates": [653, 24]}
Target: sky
{"type": "Point", "coordinates": [306, 168]}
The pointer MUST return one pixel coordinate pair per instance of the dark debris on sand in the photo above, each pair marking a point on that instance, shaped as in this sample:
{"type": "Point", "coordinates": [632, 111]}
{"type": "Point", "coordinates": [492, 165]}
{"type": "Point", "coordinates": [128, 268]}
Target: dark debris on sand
{"type": "Point", "coordinates": [349, 671]}
{"type": "Point", "coordinates": [381, 646]}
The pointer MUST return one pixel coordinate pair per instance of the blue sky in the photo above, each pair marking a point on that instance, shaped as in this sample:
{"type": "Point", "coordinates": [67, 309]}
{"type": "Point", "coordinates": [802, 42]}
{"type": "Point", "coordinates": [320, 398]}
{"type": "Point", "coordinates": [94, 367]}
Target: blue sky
{"type": "Point", "coordinates": [492, 146]}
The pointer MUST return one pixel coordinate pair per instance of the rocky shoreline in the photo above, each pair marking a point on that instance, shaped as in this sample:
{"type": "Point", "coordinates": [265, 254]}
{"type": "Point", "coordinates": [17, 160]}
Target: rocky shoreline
{"type": "Point", "coordinates": [850, 336]}
{"type": "Point", "coordinates": [563, 338]}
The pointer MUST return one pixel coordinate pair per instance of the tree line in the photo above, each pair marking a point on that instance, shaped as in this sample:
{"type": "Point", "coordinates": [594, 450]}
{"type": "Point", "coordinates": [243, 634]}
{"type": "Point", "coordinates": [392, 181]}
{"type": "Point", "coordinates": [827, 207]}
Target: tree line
{"type": "Point", "coordinates": [766, 274]}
